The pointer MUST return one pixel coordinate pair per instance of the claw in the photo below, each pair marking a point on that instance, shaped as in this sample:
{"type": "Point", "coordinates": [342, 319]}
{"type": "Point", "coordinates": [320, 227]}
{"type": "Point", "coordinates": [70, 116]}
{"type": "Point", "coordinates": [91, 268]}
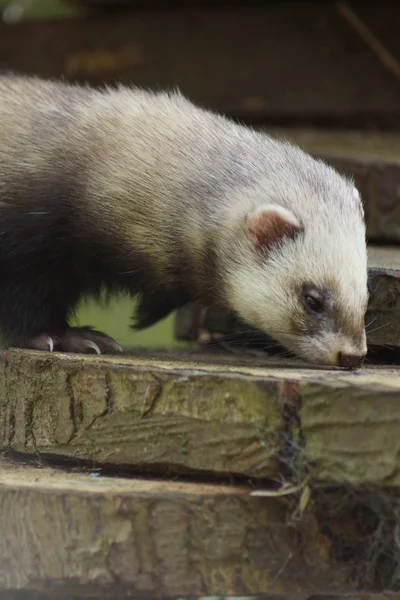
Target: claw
{"type": "Point", "coordinates": [91, 344]}
{"type": "Point", "coordinates": [75, 340]}
{"type": "Point", "coordinates": [50, 343]}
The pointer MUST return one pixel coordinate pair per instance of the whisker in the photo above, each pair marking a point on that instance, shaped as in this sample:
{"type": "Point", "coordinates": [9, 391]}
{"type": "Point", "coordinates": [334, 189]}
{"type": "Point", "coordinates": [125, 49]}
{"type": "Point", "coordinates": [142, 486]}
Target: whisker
{"type": "Point", "coordinates": [370, 323]}
{"type": "Point", "coordinates": [224, 340]}
{"type": "Point", "coordinates": [246, 346]}
{"type": "Point", "coordinates": [380, 327]}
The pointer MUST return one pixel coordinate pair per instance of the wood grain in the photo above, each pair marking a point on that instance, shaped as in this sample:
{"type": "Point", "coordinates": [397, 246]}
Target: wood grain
{"type": "Point", "coordinates": [71, 535]}
{"type": "Point", "coordinates": [142, 414]}
{"type": "Point", "coordinates": [203, 413]}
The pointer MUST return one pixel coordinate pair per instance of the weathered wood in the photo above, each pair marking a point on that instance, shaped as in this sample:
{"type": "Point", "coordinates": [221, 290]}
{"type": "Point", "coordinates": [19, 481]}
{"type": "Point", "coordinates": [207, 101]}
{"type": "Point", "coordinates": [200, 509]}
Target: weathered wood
{"type": "Point", "coordinates": [206, 413]}
{"type": "Point", "coordinates": [275, 61]}
{"type": "Point", "coordinates": [372, 159]}
{"type": "Point", "coordinates": [384, 302]}
{"type": "Point", "coordinates": [150, 415]}
{"type": "Point", "coordinates": [73, 535]}
{"type": "Point", "coordinates": [383, 316]}
{"type": "Point", "coordinates": [351, 436]}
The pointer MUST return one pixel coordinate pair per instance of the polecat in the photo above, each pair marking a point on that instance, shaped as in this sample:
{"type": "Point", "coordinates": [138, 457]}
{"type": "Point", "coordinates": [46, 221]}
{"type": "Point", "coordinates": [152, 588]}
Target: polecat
{"type": "Point", "coordinates": [144, 192]}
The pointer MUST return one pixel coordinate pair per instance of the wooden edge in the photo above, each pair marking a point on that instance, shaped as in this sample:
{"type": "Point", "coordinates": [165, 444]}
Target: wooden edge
{"type": "Point", "coordinates": [206, 415]}
{"type": "Point", "coordinates": [153, 415]}
{"type": "Point", "coordinates": [67, 534]}
{"type": "Point", "coordinates": [367, 147]}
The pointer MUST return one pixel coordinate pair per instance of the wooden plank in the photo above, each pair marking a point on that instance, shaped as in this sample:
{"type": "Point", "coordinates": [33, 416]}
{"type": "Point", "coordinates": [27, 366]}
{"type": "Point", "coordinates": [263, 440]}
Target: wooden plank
{"type": "Point", "coordinates": [383, 308]}
{"type": "Point", "coordinates": [70, 535]}
{"type": "Point", "coordinates": [372, 159]}
{"type": "Point", "coordinates": [384, 297]}
{"type": "Point", "coordinates": [364, 146]}
{"type": "Point", "coordinates": [150, 416]}
{"type": "Point", "coordinates": [205, 413]}
{"type": "Point", "coordinates": [345, 436]}
{"type": "Point", "coordinates": [275, 61]}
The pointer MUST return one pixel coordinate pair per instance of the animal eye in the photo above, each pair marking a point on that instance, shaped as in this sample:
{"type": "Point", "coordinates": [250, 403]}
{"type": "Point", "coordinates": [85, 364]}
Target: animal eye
{"type": "Point", "coordinates": [313, 303]}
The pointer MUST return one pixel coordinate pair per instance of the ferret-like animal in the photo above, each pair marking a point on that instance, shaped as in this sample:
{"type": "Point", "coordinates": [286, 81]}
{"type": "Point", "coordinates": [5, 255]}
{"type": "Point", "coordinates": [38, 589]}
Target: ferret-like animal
{"type": "Point", "coordinates": [148, 194]}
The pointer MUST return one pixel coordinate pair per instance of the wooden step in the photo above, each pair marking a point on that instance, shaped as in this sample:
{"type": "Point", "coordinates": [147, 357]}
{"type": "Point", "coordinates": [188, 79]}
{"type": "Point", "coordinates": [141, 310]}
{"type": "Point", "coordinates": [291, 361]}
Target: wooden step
{"type": "Point", "coordinates": [372, 159]}
{"type": "Point", "coordinates": [69, 535]}
{"type": "Point", "coordinates": [203, 413]}
{"type": "Point", "coordinates": [314, 513]}
{"type": "Point", "coordinates": [383, 311]}
{"type": "Point", "coordinates": [277, 62]}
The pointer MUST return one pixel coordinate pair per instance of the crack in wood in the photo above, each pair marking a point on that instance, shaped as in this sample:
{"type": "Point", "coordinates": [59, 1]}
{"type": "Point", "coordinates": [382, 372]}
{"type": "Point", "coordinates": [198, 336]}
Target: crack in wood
{"type": "Point", "coordinates": [9, 425]}
{"type": "Point", "coordinates": [29, 423]}
{"type": "Point", "coordinates": [291, 458]}
{"type": "Point", "coordinates": [108, 394]}
{"type": "Point", "coordinates": [74, 407]}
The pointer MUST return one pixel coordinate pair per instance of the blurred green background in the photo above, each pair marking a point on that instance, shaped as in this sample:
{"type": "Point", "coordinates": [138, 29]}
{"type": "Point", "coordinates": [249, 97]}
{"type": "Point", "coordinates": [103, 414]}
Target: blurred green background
{"type": "Point", "coordinates": [114, 320]}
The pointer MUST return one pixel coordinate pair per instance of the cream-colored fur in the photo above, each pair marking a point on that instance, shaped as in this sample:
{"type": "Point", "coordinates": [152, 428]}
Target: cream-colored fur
{"type": "Point", "coordinates": [156, 170]}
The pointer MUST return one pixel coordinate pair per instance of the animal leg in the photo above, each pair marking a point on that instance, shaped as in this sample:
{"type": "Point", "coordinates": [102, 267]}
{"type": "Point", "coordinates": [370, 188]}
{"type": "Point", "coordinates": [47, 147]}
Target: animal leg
{"type": "Point", "coordinates": [37, 318]}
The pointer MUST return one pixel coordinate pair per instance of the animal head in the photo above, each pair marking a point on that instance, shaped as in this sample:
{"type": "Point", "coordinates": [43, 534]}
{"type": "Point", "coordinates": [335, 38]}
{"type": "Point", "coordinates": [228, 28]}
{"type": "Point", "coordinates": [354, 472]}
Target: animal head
{"type": "Point", "coordinates": [302, 275]}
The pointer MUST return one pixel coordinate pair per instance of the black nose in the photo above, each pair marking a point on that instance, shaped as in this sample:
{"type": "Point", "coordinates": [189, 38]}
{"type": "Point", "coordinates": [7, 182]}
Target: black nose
{"type": "Point", "coordinates": [350, 361]}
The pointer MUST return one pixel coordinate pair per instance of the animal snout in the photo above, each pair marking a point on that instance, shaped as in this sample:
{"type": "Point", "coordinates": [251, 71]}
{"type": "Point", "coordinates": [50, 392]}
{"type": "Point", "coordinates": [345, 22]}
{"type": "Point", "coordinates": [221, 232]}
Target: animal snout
{"type": "Point", "coordinates": [351, 361]}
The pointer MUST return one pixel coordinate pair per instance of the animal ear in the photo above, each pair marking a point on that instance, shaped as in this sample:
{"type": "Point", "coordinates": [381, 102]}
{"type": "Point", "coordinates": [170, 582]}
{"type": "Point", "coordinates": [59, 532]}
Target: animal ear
{"type": "Point", "coordinates": [270, 223]}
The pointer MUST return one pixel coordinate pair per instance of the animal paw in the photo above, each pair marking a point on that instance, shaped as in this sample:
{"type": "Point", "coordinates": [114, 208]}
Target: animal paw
{"type": "Point", "coordinates": [42, 342]}
{"type": "Point", "coordinates": [76, 339]}
{"type": "Point", "coordinates": [204, 335]}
